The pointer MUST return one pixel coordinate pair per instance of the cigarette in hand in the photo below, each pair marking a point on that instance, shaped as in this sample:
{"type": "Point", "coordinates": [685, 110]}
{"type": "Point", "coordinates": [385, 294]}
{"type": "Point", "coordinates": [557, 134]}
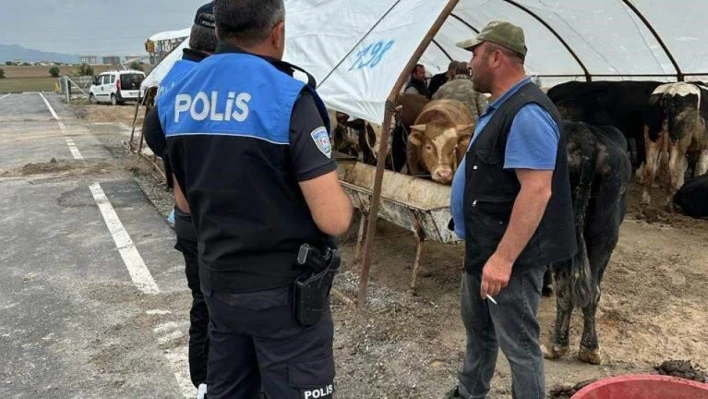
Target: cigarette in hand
{"type": "Point", "coordinates": [492, 299]}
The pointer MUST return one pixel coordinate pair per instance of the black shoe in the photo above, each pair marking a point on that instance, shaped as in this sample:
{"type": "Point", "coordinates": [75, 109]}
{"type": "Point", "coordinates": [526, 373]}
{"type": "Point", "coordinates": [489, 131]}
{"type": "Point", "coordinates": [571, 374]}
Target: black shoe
{"type": "Point", "coordinates": [454, 394]}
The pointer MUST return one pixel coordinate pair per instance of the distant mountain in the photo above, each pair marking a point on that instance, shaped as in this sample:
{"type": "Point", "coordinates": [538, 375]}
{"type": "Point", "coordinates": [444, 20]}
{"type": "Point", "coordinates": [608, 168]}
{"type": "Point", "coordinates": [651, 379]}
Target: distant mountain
{"type": "Point", "coordinates": [14, 52]}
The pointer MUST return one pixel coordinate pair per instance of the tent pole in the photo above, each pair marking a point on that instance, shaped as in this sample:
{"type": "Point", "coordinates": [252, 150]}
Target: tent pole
{"type": "Point", "coordinates": [385, 136]}
{"type": "Point", "coordinates": [679, 75]}
{"type": "Point", "coordinates": [565, 44]}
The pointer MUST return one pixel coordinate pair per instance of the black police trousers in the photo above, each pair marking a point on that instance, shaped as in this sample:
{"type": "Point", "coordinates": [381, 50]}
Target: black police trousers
{"type": "Point", "coordinates": [198, 314]}
{"type": "Point", "coordinates": [256, 343]}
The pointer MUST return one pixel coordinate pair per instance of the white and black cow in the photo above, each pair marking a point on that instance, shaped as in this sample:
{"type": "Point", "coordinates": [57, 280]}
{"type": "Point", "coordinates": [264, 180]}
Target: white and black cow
{"type": "Point", "coordinates": [619, 104]}
{"type": "Point", "coordinates": [600, 172]}
{"type": "Point", "coordinates": [677, 129]}
{"type": "Point", "coordinates": [692, 197]}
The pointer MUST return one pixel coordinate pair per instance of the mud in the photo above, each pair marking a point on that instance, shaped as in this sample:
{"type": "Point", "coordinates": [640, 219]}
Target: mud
{"type": "Point", "coordinates": [64, 167]}
{"type": "Point", "coordinates": [682, 369]}
{"type": "Point", "coordinates": [567, 391]}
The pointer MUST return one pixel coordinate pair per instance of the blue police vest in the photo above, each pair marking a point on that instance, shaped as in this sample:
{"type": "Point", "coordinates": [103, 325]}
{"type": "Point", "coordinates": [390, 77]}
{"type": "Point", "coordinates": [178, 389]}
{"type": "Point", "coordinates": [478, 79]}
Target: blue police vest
{"type": "Point", "coordinates": [227, 123]}
{"type": "Point", "coordinates": [223, 101]}
{"type": "Point", "coordinates": [179, 69]}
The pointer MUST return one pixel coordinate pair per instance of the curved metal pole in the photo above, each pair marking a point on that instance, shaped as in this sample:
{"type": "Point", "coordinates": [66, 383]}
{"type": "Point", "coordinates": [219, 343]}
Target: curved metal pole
{"type": "Point", "coordinates": [475, 30]}
{"type": "Point", "coordinates": [385, 135]}
{"type": "Point", "coordinates": [588, 77]}
{"type": "Point", "coordinates": [679, 74]}
{"type": "Point", "coordinates": [442, 49]}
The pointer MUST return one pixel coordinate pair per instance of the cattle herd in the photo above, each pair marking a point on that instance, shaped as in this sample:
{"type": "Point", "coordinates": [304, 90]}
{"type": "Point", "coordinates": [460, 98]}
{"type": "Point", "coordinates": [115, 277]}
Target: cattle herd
{"type": "Point", "coordinates": [654, 131]}
{"type": "Point", "coordinates": [664, 125]}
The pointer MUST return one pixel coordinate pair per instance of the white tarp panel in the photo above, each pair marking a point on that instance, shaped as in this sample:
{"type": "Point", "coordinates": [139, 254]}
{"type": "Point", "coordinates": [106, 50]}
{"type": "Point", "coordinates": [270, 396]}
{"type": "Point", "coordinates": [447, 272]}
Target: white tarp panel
{"type": "Point", "coordinates": [682, 25]}
{"type": "Point", "coordinates": [606, 35]}
{"type": "Point", "coordinates": [356, 49]}
{"type": "Point", "coordinates": [169, 35]}
{"type": "Point", "coordinates": [158, 73]}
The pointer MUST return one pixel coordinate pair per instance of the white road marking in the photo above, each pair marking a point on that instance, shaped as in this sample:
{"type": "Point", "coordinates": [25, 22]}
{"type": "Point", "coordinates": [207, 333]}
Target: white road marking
{"type": "Point", "coordinates": [177, 357]}
{"type": "Point", "coordinates": [165, 327]}
{"type": "Point", "coordinates": [131, 257]}
{"type": "Point", "coordinates": [5, 96]}
{"type": "Point", "coordinates": [158, 312]}
{"type": "Point", "coordinates": [180, 367]}
{"type": "Point", "coordinates": [54, 114]}
{"type": "Point", "coordinates": [73, 148]}
{"type": "Point", "coordinates": [174, 335]}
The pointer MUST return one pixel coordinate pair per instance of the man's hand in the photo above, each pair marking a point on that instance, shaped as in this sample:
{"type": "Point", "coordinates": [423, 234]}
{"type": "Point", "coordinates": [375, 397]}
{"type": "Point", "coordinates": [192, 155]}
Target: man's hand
{"type": "Point", "coordinates": [495, 275]}
{"type": "Point", "coordinates": [528, 210]}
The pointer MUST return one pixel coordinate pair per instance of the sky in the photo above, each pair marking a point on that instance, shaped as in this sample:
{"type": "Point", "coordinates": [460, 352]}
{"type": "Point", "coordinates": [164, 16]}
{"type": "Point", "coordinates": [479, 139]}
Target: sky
{"type": "Point", "coordinates": [92, 27]}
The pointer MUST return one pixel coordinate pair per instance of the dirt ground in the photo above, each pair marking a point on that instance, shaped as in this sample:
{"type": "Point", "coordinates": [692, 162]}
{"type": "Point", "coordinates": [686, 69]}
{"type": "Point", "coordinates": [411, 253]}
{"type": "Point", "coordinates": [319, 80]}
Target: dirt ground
{"type": "Point", "coordinates": [106, 113]}
{"type": "Point", "coordinates": [43, 71]}
{"type": "Point", "coordinates": [406, 346]}
{"type": "Point", "coordinates": [652, 309]}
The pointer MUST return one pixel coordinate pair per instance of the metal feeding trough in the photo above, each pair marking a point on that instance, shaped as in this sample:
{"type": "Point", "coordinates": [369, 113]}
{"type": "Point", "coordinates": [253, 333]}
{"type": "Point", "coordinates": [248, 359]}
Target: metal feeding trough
{"type": "Point", "coordinates": [418, 205]}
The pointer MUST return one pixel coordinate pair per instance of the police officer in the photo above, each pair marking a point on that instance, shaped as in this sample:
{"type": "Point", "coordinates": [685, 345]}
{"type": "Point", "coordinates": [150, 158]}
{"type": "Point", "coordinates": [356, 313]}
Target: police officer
{"type": "Point", "coordinates": [250, 146]}
{"type": "Point", "coordinates": [511, 202]}
{"type": "Point", "coordinates": [202, 42]}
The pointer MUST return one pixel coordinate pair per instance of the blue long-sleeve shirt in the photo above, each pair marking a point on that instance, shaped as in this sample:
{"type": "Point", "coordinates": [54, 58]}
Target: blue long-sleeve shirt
{"type": "Point", "coordinates": [532, 144]}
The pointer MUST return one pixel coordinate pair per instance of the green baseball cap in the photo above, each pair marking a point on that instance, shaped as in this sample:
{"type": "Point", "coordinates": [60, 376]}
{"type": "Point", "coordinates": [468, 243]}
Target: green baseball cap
{"type": "Point", "coordinates": [500, 32]}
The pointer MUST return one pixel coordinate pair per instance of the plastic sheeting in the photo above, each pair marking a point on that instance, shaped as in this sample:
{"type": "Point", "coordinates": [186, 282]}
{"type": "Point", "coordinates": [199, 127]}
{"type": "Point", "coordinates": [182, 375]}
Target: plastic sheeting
{"type": "Point", "coordinates": [169, 35]}
{"type": "Point", "coordinates": [357, 49]}
{"type": "Point", "coordinates": [328, 38]}
{"type": "Point", "coordinates": [154, 78]}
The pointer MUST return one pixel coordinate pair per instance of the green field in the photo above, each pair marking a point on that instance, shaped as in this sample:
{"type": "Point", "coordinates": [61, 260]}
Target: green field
{"type": "Point", "coordinates": [18, 85]}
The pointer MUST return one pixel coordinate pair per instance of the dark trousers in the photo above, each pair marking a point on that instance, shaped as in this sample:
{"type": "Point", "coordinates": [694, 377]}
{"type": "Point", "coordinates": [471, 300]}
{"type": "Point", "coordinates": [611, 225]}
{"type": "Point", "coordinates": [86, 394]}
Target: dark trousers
{"type": "Point", "coordinates": [510, 325]}
{"type": "Point", "coordinates": [198, 314]}
{"type": "Point", "coordinates": [255, 342]}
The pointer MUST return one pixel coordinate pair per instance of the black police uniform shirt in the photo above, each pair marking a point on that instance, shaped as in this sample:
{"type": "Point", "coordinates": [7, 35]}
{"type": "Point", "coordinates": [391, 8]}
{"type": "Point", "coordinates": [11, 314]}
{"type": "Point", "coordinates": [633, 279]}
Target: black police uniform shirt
{"type": "Point", "coordinates": [242, 185]}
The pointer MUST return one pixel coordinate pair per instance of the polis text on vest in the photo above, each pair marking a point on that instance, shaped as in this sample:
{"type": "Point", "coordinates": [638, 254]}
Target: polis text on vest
{"type": "Point", "coordinates": [203, 106]}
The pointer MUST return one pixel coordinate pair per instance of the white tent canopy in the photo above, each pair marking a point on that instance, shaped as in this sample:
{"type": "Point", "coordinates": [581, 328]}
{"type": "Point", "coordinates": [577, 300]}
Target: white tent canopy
{"type": "Point", "coordinates": [158, 73]}
{"type": "Point", "coordinates": [356, 49]}
{"type": "Point", "coordinates": [169, 35]}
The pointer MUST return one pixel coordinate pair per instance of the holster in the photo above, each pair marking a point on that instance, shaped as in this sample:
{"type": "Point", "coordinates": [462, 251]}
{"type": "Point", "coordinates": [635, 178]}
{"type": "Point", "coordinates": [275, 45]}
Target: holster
{"type": "Point", "coordinates": [311, 289]}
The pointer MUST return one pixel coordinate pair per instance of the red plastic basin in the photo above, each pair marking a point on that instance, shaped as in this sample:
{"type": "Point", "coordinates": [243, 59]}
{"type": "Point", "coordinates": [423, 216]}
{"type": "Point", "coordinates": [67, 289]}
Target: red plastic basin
{"type": "Point", "coordinates": [643, 386]}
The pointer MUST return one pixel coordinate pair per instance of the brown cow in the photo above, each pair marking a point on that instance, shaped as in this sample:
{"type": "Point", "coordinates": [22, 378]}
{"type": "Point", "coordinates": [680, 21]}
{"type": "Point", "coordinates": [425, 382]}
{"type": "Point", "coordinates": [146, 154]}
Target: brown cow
{"type": "Point", "coordinates": [408, 108]}
{"type": "Point", "coordinates": [439, 138]}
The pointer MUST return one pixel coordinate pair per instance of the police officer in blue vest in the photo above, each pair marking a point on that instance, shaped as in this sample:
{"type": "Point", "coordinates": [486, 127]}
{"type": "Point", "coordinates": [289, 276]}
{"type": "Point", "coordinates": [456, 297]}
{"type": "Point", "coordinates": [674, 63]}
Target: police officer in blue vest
{"type": "Point", "coordinates": [250, 146]}
{"type": "Point", "coordinates": [202, 43]}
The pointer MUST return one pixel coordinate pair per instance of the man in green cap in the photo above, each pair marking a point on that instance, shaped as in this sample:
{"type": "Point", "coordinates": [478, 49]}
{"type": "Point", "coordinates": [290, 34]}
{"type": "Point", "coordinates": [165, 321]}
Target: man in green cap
{"type": "Point", "coordinates": [511, 203]}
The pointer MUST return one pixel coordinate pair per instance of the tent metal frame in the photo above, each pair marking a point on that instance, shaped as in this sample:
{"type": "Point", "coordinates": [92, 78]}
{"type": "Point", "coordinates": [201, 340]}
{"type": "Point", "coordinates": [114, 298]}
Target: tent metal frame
{"type": "Point", "coordinates": [418, 53]}
{"type": "Point", "coordinates": [385, 137]}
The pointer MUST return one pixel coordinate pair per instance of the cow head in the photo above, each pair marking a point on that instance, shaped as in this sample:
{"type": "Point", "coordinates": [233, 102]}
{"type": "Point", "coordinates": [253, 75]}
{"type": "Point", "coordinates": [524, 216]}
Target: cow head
{"type": "Point", "coordinates": [441, 147]}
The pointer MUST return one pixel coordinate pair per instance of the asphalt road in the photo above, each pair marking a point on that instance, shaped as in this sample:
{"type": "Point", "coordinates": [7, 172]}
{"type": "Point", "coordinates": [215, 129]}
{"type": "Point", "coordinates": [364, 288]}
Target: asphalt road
{"type": "Point", "coordinates": [94, 301]}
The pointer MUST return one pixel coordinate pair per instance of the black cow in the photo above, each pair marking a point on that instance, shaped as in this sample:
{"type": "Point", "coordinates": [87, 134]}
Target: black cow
{"type": "Point", "coordinates": [600, 172]}
{"type": "Point", "coordinates": [618, 104]}
{"type": "Point", "coordinates": [692, 198]}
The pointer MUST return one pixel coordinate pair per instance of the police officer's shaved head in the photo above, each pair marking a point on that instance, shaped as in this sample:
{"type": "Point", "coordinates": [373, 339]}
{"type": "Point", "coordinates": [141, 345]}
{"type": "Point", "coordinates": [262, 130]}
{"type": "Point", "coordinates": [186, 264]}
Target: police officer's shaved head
{"type": "Point", "coordinates": [248, 22]}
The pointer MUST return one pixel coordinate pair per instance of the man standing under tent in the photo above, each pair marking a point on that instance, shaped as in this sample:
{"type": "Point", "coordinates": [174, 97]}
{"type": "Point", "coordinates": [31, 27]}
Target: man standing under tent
{"type": "Point", "coordinates": [250, 147]}
{"type": "Point", "coordinates": [416, 85]}
{"type": "Point", "coordinates": [511, 202]}
{"type": "Point", "coordinates": [202, 43]}
{"type": "Point", "coordinates": [440, 79]}
{"type": "Point", "coordinates": [462, 89]}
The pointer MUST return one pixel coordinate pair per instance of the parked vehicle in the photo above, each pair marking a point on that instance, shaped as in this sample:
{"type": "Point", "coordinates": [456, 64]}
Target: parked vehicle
{"type": "Point", "coordinates": [116, 87]}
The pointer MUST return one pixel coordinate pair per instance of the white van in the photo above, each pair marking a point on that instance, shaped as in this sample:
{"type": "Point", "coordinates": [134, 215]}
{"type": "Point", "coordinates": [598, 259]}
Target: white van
{"type": "Point", "coordinates": [116, 87]}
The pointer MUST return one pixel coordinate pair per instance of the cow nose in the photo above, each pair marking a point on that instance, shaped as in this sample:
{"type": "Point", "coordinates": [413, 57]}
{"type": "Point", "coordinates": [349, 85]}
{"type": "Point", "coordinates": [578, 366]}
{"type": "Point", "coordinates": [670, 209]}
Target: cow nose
{"type": "Point", "coordinates": [445, 174]}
